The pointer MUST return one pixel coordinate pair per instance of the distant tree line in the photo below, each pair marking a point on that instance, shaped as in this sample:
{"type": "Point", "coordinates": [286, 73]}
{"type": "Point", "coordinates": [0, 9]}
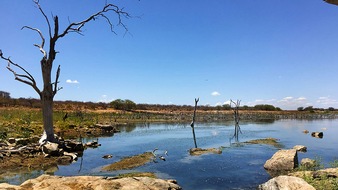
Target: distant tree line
{"type": "Point", "coordinates": [129, 105]}
{"type": "Point", "coordinates": [312, 109]}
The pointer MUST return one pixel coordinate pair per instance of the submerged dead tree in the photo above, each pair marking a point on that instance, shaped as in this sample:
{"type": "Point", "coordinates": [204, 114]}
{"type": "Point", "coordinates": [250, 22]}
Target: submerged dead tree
{"type": "Point", "coordinates": [236, 117]}
{"type": "Point", "coordinates": [193, 122]}
{"type": "Point", "coordinates": [50, 88]}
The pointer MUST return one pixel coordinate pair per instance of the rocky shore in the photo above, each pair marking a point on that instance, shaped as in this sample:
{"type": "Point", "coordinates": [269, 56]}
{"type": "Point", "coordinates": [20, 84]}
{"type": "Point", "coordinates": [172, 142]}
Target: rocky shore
{"type": "Point", "coordinates": [289, 173]}
{"type": "Point", "coordinates": [93, 182]}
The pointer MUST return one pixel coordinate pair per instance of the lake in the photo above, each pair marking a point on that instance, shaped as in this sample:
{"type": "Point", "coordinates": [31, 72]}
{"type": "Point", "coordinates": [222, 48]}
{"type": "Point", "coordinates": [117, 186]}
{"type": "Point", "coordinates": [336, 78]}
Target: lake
{"type": "Point", "coordinates": [240, 166]}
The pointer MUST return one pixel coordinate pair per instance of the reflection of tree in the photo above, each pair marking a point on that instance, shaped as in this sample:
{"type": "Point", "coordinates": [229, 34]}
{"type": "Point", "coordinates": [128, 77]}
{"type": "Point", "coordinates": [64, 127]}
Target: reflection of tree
{"type": "Point", "coordinates": [237, 118]}
{"type": "Point", "coordinates": [264, 121]}
{"type": "Point", "coordinates": [127, 128]}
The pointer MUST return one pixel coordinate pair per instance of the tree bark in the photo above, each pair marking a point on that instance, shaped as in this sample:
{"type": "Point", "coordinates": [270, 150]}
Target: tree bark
{"type": "Point", "coordinates": [47, 96]}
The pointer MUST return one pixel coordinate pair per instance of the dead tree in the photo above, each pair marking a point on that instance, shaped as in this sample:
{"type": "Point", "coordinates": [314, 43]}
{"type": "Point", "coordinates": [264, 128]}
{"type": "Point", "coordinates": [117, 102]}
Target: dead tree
{"type": "Point", "coordinates": [236, 117]}
{"type": "Point", "coordinates": [50, 88]}
{"type": "Point", "coordinates": [193, 122]}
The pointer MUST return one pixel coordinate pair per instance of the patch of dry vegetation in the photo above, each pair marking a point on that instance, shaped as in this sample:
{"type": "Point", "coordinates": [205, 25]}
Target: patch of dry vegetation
{"type": "Point", "coordinates": [267, 141]}
{"type": "Point", "coordinates": [137, 174]}
{"type": "Point", "coordinates": [130, 162]}
{"type": "Point", "coordinates": [201, 151]}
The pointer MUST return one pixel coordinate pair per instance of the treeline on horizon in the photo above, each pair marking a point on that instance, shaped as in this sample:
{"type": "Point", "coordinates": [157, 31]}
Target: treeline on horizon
{"type": "Point", "coordinates": [128, 105]}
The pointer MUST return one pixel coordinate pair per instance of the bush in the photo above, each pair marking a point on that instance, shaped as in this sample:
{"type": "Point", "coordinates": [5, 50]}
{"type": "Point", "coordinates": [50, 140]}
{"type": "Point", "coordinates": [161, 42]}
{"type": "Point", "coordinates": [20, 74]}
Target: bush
{"type": "Point", "coordinates": [120, 104]}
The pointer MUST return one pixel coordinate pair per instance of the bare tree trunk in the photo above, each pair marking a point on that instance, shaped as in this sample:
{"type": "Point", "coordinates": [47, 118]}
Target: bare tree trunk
{"type": "Point", "coordinates": [49, 88]}
{"type": "Point", "coordinates": [193, 122]}
{"type": "Point", "coordinates": [47, 95]}
{"type": "Point", "coordinates": [237, 118]}
{"type": "Point", "coordinates": [47, 114]}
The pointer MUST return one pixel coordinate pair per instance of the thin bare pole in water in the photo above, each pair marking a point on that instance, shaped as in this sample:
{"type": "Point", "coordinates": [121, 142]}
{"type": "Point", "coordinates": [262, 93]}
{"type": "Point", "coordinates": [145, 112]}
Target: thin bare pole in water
{"type": "Point", "coordinates": [193, 122]}
{"type": "Point", "coordinates": [236, 117]}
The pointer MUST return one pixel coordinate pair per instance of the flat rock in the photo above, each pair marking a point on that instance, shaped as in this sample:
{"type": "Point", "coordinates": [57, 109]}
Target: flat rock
{"type": "Point", "coordinates": [300, 148]}
{"type": "Point", "coordinates": [287, 183]}
{"type": "Point", "coordinates": [282, 160]}
{"type": "Point", "coordinates": [308, 163]}
{"type": "Point", "coordinates": [93, 182]}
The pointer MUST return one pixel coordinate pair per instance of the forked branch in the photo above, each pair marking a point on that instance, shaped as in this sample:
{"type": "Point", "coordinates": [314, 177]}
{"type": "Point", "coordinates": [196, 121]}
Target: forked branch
{"type": "Point", "coordinates": [235, 109]}
{"type": "Point", "coordinates": [77, 26]}
{"type": "Point", "coordinates": [42, 38]}
{"type": "Point", "coordinates": [26, 78]}
{"type": "Point", "coordinates": [45, 16]}
{"type": "Point", "coordinates": [236, 117]}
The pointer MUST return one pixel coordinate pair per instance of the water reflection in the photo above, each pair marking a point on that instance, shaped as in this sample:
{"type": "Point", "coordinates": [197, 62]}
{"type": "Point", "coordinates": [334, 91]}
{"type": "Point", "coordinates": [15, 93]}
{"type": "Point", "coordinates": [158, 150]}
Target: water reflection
{"type": "Point", "coordinates": [130, 127]}
{"type": "Point", "coordinates": [239, 166]}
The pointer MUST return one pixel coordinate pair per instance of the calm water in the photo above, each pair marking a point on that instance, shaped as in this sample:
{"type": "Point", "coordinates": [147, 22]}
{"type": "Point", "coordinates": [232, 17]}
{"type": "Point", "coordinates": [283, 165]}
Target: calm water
{"type": "Point", "coordinates": [240, 166]}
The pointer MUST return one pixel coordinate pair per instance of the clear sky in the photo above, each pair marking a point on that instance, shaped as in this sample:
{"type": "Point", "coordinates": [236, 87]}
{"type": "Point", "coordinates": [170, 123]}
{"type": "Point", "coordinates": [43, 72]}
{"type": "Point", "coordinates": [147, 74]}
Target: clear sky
{"type": "Point", "coordinates": [281, 52]}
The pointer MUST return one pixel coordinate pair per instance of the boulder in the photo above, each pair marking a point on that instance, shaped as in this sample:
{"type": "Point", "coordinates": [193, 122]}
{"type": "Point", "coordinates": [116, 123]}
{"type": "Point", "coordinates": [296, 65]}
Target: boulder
{"type": "Point", "coordinates": [49, 148]}
{"type": "Point", "coordinates": [321, 174]}
{"type": "Point", "coordinates": [11, 140]}
{"type": "Point", "coordinates": [286, 182]}
{"type": "Point", "coordinates": [107, 156]}
{"type": "Point", "coordinates": [94, 182]}
{"type": "Point", "coordinates": [308, 163]}
{"type": "Point", "coordinates": [317, 134]}
{"type": "Point", "coordinates": [74, 146]}
{"type": "Point", "coordinates": [300, 148]}
{"type": "Point", "coordinates": [64, 160]}
{"type": "Point", "coordinates": [92, 144]}
{"type": "Point", "coordinates": [282, 160]}
{"type": "Point", "coordinates": [72, 155]}
{"type": "Point", "coordinates": [106, 128]}
{"type": "Point", "coordinates": [328, 173]}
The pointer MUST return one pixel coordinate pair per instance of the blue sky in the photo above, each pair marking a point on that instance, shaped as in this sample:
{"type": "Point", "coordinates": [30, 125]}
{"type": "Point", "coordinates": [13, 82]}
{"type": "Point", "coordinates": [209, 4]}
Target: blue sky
{"type": "Point", "coordinates": [281, 52]}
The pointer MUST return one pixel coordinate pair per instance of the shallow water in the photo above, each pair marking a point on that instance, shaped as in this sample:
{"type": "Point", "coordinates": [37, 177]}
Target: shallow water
{"type": "Point", "coordinates": [240, 166]}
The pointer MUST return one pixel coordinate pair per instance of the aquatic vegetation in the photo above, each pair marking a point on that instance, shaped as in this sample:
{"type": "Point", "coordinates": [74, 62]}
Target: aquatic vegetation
{"type": "Point", "coordinates": [267, 141]}
{"type": "Point", "coordinates": [130, 162]}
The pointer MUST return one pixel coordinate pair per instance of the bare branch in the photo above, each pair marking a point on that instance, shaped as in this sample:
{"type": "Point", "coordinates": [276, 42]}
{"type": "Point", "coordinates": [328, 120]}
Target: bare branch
{"type": "Point", "coordinates": [26, 78]}
{"type": "Point", "coordinates": [43, 13]}
{"type": "Point", "coordinates": [235, 110]}
{"type": "Point", "coordinates": [42, 38]}
{"type": "Point", "coordinates": [77, 26]}
{"type": "Point", "coordinates": [56, 89]}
